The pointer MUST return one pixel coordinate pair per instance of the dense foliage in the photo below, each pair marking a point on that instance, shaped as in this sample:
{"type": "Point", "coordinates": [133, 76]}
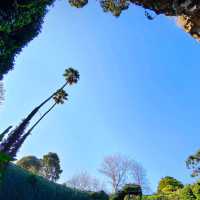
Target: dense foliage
{"type": "Point", "coordinates": [48, 166]}
{"type": "Point", "coordinates": [20, 22]}
{"type": "Point", "coordinates": [187, 12]}
{"type": "Point", "coordinates": [51, 167]}
{"type": "Point", "coordinates": [193, 163]}
{"type": "Point", "coordinates": [132, 191]}
{"type": "Point", "coordinates": [101, 195]}
{"type": "Point", "coordinates": [169, 184]}
{"type": "Point", "coordinates": [30, 163]}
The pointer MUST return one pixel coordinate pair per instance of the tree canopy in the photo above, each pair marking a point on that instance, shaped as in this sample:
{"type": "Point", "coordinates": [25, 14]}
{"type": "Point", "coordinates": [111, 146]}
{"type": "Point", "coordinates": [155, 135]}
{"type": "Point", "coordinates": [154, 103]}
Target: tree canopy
{"type": "Point", "coordinates": [51, 167]}
{"type": "Point", "coordinates": [21, 20]}
{"type": "Point", "coordinates": [169, 184]}
{"type": "Point", "coordinates": [193, 163]}
{"type": "Point", "coordinates": [48, 167]}
{"type": "Point", "coordinates": [30, 163]}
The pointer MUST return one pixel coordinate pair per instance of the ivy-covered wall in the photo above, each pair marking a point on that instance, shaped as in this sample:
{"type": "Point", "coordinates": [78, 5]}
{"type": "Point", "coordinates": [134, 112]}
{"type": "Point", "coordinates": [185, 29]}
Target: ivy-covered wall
{"type": "Point", "coordinates": [20, 22]}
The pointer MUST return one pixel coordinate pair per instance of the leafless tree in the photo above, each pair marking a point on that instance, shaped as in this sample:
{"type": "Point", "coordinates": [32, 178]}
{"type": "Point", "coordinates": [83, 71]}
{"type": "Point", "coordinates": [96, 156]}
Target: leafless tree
{"type": "Point", "coordinates": [121, 170]}
{"type": "Point", "coordinates": [1, 92]}
{"type": "Point", "coordinates": [116, 169]}
{"type": "Point", "coordinates": [85, 182]}
{"type": "Point", "coordinates": [139, 176]}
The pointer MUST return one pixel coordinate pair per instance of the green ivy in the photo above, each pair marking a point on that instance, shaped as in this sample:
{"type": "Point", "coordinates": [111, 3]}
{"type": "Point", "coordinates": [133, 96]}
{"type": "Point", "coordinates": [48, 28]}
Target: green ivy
{"type": "Point", "coordinates": [19, 23]}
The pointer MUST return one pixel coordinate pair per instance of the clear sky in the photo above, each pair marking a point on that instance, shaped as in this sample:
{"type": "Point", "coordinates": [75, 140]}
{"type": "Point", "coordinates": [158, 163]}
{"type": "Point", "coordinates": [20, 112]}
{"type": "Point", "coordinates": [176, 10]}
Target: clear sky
{"type": "Point", "coordinates": [138, 94]}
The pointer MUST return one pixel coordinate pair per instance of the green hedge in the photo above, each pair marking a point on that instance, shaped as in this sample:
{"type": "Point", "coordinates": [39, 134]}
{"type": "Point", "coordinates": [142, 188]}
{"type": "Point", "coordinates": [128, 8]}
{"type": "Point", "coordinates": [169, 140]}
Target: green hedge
{"type": "Point", "coordinates": [19, 184]}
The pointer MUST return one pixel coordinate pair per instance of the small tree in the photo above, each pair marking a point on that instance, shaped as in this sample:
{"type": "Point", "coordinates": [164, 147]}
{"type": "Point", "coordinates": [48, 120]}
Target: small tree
{"type": "Point", "coordinates": [128, 192]}
{"type": "Point", "coordinates": [121, 170]}
{"type": "Point", "coordinates": [85, 182]}
{"type": "Point", "coordinates": [30, 163]}
{"type": "Point", "coordinates": [169, 184]}
{"type": "Point", "coordinates": [116, 169]}
{"type": "Point", "coordinates": [187, 194]}
{"type": "Point", "coordinates": [51, 167]}
{"type": "Point", "coordinates": [193, 163]}
{"type": "Point", "coordinates": [139, 177]}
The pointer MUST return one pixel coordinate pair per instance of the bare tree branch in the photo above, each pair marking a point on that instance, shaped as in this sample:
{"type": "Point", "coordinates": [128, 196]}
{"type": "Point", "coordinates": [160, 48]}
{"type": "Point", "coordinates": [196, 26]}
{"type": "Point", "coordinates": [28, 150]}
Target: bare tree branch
{"type": "Point", "coordinates": [121, 170]}
{"type": "Point", "coordinates": [139, 176]}
{"type": "Point", "coordinates": [85, 182]}
{"type": "Point", "coordinates": [115, 168]}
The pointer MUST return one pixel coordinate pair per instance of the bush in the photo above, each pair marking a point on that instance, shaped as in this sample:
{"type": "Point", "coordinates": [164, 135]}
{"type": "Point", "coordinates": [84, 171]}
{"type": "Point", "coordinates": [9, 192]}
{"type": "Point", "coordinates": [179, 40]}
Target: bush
{"type": "Point", "coordinates": [99, 195]}
{"type": "Point", "coordinates": [169, 184]}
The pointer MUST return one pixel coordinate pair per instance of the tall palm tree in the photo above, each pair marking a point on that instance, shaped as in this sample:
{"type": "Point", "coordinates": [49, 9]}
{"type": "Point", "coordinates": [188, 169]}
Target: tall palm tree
{"type": "Point", "coordinates": [71, 77]}
{"type": "Point", "coordinates": [59, 98]}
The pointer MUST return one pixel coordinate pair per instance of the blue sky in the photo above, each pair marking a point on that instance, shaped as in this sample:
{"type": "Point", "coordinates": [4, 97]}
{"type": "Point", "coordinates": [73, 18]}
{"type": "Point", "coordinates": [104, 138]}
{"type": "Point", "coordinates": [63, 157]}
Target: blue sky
{"type": "Point", "coordinates": [138, 94]}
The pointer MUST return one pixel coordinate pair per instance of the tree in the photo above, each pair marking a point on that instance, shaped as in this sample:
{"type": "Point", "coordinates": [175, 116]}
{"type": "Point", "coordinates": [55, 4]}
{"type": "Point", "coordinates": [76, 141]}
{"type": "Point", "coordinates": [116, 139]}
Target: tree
{"type": "Point", "coordinates": [51, 167]}
{"type": "Point", "coordinates": [48, 166]}
{"type": "Point", "coordinates": [138, 173]}
{"type": "Point", "coordinates": [121, 170]}
{"type": "Point", "coordinates": [193, 163]}
{"type": "Point", "coordinates": [128, 192]}
{"type": "Point", "coordinates": [16, 137]}
{"type": "Point", "coordinates": [169, 184]}
{"type": "Point", "coordinates": [20, 22]}
{"type": "Point", "coordinates": [99, 195]}
{"type": "Point", "coordinates": [187, 194]}
{"type": "Point", "coordinates": [85, 182]}
{"type": "Point", "coordinates": [116, 169]}
{"type": "Point", "coordinates": [30, 163]}
{"type": "Point", "coordinates": [187, 12]}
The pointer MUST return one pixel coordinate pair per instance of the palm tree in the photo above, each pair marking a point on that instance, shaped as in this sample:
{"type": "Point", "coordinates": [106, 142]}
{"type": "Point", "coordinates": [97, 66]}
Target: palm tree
{"type": "Point", "coordinates": [17, 136]}
{"type": "Point", "coordinates": [59, 98]}
{"type": "Point", "coordinates": [71, 77]}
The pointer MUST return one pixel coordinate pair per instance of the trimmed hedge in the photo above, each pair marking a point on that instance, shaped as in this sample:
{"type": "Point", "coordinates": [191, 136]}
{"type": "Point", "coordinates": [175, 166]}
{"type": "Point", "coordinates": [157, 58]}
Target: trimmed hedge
{"type": "Point", "coordinates": [19, 184]}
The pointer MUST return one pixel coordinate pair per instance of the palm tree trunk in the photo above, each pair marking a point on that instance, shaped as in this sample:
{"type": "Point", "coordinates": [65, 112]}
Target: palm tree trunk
{"type": "Point", "coordinates": [49, 98]}
{"type": "Point", "coordinates": [37, 122]}
{"type": "Point", "coordinates": [36, 109]}
{"type": "Point", "coordinates": [18, 143]}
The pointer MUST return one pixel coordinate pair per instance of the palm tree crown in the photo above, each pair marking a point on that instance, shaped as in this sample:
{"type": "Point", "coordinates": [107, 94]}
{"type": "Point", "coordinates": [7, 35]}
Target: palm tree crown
{"type": "Point", "coordinates": [71, 76]}
{"type": "Point", "coordinates": [60, 97]}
